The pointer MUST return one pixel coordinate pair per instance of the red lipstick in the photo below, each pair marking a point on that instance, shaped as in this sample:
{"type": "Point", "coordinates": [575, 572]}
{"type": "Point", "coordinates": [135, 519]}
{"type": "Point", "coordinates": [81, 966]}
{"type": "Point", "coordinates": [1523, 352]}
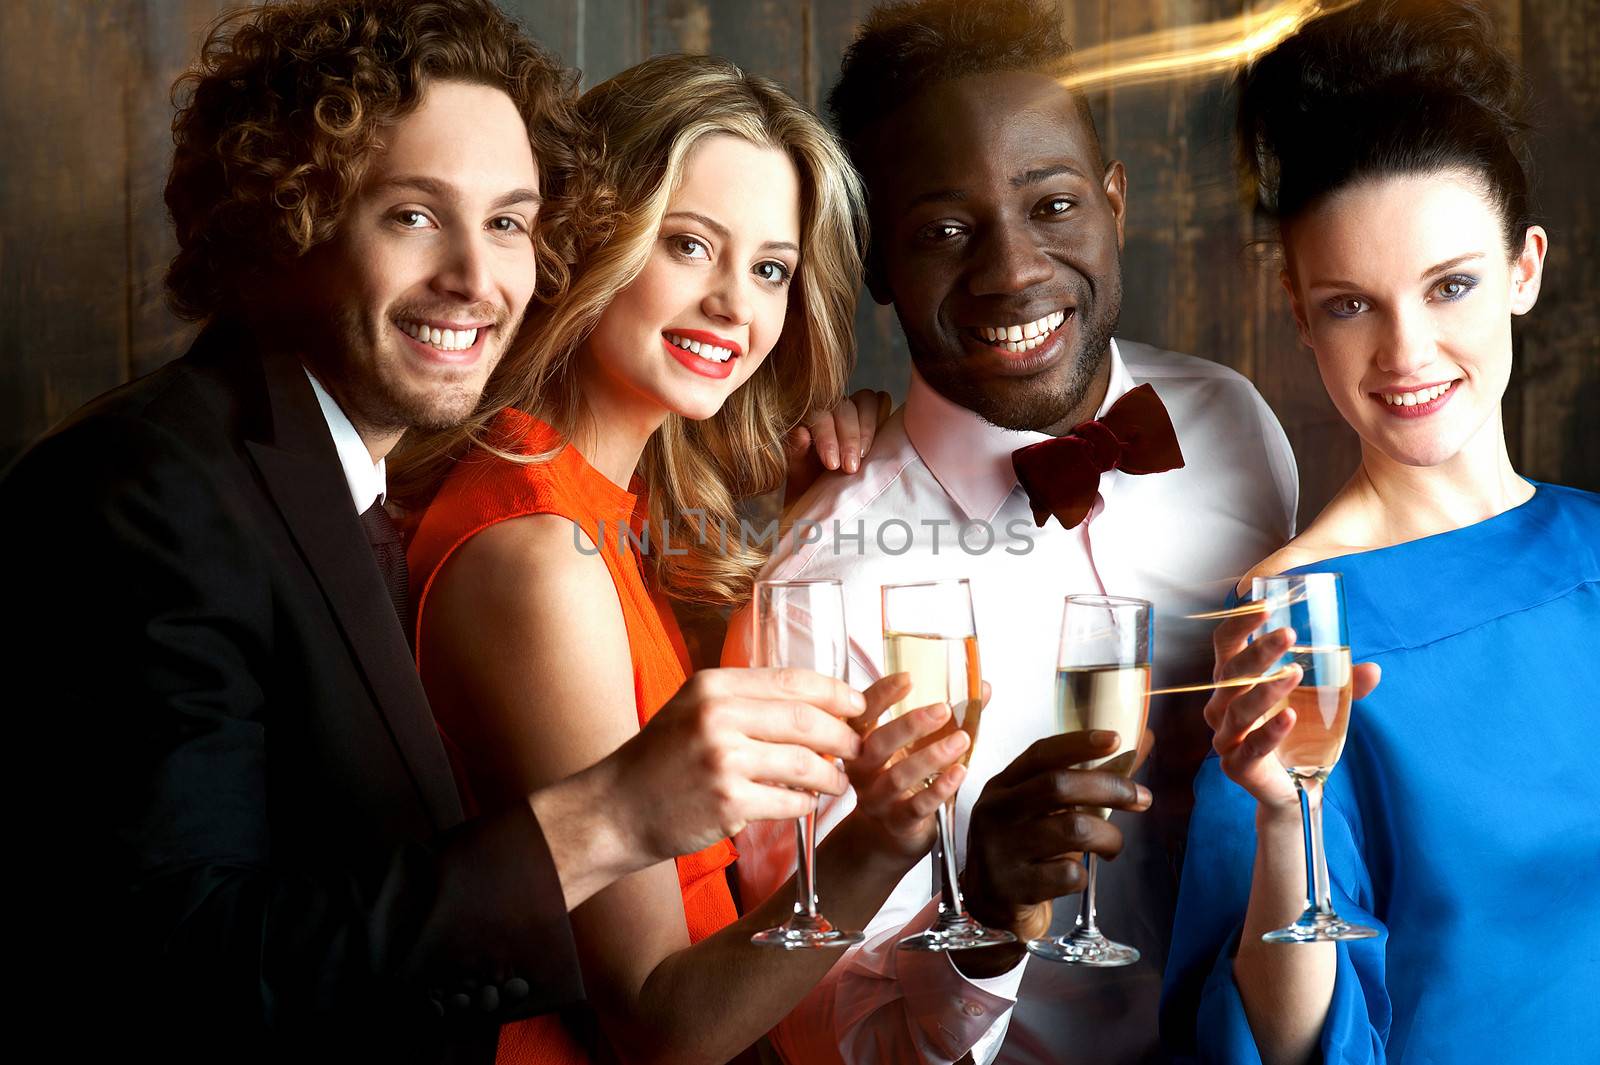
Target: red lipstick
{"type": "Point", "coordinates": [702, 366]}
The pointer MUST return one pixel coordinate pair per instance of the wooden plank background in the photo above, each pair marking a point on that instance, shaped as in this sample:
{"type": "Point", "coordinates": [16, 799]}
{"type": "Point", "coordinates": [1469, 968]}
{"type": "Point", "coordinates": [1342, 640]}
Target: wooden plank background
{"type": "Point", "coordinates": [84, 237]}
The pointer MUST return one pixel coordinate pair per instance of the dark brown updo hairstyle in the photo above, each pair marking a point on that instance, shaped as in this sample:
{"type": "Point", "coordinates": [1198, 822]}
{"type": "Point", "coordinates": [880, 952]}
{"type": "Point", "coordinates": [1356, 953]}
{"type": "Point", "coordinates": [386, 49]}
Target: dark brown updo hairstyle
{"type": "Point", "coordinates": [1385, 87]}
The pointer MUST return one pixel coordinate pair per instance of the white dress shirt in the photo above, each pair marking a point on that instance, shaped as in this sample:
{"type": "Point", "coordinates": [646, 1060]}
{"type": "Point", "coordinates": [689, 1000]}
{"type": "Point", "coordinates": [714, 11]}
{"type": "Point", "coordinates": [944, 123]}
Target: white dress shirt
{"type": "Point", "coordinates": [368, 480]}
{"type": "Point", "coordinates": [1179, 539]}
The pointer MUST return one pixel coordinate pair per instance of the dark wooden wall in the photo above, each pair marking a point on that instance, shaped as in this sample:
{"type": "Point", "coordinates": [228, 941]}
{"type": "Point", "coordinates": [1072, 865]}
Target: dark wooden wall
{"type": "Point", "coordinates": [85, 112]}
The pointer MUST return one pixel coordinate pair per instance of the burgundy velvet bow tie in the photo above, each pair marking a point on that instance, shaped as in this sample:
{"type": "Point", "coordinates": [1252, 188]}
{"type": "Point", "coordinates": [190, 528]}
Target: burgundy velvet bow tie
{"type": "Point", "coordinates": [1061, 475]}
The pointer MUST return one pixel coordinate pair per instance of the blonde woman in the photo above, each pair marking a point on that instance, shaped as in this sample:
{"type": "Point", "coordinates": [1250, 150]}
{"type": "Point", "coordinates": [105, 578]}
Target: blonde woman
{"type": "Point", "coordinates": [712, 311]}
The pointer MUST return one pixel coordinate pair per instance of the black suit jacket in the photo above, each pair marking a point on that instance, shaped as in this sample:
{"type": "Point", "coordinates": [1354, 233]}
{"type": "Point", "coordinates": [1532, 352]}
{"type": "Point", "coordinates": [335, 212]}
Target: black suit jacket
{"type": "Point", "coordinates": [240, 838]}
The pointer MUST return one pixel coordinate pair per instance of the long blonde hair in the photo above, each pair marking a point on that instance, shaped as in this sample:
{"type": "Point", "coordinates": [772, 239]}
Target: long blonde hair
{"type": "Point", "coordinates": [650, 117]}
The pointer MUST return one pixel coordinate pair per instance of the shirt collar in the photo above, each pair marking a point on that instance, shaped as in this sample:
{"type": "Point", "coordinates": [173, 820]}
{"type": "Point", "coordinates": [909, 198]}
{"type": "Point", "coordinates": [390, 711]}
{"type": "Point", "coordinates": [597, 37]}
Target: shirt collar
{"type": "Point", "coordinates": [970, 457]}
{"type": "Point", "coordinates": [368, 480]}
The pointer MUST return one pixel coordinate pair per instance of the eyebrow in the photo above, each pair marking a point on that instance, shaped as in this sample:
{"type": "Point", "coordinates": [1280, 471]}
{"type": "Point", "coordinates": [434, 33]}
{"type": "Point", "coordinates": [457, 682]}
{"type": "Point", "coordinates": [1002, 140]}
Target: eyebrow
{"type": "Point", "coordinates": [1336, 282]}
{"type": "Point", "coordinates": [1448, 263]}
{"type": "Point", "coordinates": [1045, 173]}
{"type": "Point", "coordinates": [722, 231]}
{"type": "Point", "coordinates": [1017, 181]}
{"type": "Point", "coordinates": [445, 191]}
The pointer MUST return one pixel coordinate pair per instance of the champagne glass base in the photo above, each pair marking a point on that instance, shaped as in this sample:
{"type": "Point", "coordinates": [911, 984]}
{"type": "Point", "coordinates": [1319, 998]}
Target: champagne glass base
{"type": "Point", "coordinates": [958, 933]}
{"type": "Point", "coordinates": [1313, 927]}
{"type": "Point", "coordinates": [1084, 948]}
{"type": "Point", "coordinates": [806, 933]}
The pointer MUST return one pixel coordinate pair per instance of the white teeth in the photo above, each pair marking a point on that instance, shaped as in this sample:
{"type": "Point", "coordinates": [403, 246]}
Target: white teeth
{"type": "Point", "coordinates": [443, 339]}
{"type": "Point", "coordinates": [1412, 399]}
{"type": "Point", "coordinates": [1026, 337]}
{"type": "Point", "coordinates": [709, 352]}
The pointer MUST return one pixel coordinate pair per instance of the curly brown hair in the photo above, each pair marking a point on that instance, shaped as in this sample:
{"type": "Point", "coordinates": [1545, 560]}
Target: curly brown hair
{"type": "Point", "coordinates": [281, 116]}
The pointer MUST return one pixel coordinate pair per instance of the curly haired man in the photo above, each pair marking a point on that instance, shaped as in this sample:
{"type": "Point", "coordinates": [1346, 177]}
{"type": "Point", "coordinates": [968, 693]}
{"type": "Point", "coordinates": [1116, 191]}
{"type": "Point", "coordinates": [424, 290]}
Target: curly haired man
{"type": "Point", "coordinates": [244, 842]}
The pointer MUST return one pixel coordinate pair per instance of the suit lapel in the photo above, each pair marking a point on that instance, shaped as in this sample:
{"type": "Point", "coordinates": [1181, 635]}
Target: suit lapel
{"type": "Point", "coordinates": [301, 470]}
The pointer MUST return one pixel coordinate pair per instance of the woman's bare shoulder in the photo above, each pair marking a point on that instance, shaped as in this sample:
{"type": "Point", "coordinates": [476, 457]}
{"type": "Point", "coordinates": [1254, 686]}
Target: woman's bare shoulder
{"type": "Point", "coordinates": [1338, 530]}
{"type": "Point", "coordinates": [525, 650]}
{"type": "Point", "coordinates": [1292, 554]}
{"type": "Point", "coordinates": [534, 573]}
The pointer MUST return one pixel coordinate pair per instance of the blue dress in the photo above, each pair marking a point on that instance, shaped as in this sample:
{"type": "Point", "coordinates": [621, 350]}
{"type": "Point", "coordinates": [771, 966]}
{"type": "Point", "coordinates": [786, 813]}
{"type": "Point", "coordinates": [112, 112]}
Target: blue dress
{"type": "Point", "coordinates": [1463, 821]}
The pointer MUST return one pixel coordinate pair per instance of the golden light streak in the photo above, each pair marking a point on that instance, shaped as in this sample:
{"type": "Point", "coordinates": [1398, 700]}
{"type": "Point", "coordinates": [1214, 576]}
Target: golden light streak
{"type": "Point", "coordinates": [1265, 678]}
{"type": "Point", "coordinates": [1236, 682]}
{"type": "Point", "coordinates": [1187, 51]}
{"type": "Point", "coordinates": [1254, 606]}
{"type": "Point", "coordinates": [1272, 604]}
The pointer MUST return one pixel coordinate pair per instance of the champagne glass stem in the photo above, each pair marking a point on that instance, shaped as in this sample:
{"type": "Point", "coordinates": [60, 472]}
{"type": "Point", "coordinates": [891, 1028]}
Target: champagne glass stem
{"type": "Point", "coordinates": [1319, 894]}
{"type": "Point", "coordinates": [1086, 908]}
{"type": "Point", "coordinates": [949, 889]}
{"type": "Point", "coordinates": [806, 883]}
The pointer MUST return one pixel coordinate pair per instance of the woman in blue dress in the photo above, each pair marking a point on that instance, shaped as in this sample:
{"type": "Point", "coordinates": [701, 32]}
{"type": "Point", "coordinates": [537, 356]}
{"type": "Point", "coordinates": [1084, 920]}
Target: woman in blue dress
{"type": "Point", "coordinates": [1460, 822]}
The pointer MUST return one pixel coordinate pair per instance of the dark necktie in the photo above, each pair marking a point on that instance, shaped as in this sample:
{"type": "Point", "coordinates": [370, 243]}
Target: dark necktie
{"type": "Point", "coordinates": [387, 548]}
{"type": "Point", "coordinates": [1062, 475]}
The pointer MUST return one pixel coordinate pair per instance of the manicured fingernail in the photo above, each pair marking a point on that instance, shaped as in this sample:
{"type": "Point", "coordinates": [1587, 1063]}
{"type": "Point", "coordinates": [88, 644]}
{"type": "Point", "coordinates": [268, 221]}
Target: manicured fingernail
{"type": "Point", "coordinates": [858, 700]}
{"type": "Point", "coordinates": [830, 458]}
{"type": "Point", "coordinates": [1102, 737]}
{"type": "Point", "coordinates": [1144, 796]}
{"type": "Point", "coordinates": [850, 462]}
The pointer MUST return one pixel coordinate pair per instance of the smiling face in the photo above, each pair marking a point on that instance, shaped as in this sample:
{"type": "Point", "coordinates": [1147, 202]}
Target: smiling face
{"type": "Point", "coordinates": [1403, 288]}
{"type": "Point", "coordinates": [711, 300]}
{"type": "Point", "coordinates": [406, 310]}
{"type": "Point", "coordinates": [997, 234]}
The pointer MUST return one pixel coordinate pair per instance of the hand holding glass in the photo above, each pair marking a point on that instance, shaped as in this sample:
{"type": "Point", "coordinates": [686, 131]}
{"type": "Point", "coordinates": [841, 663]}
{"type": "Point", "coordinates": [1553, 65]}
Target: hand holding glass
{"type": "Point", "coordinates": [1102, 682]}
{"type": "Point", "coordinates": [801, 624]}
{"type": "Point", "coordinates": [1312, 604]}
{"type": "Point", "coordinates": [928, 632]}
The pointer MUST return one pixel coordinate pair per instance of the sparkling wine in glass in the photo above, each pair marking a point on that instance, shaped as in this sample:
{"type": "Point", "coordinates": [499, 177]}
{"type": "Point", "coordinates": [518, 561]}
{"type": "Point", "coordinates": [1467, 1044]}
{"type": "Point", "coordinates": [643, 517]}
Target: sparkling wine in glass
{"type": "Point", "coordinates": [942, 669]}
{"type": "Point", "coordinates": [1313, 605]}
{"type": "Point", "coordinates": [928, 632]}
{"type": "Point", "coordinates": [800, 624]}
{"type": "Point", "coordinates": [1102, 682]}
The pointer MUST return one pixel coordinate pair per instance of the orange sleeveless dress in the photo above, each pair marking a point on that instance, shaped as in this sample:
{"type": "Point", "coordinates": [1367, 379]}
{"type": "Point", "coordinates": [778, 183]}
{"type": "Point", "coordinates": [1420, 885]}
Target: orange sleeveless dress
{"type": "Point", "coordinates": [484, 489]}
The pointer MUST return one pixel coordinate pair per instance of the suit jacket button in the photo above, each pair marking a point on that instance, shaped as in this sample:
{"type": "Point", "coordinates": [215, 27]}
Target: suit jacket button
{"type": "Point", "coordinates": [460, 1001]}
{"type": "Point", "coordinates": [436, 1000]}
{"type": "Point", "coordinates": [516, 989]}
{"type": "Point", "coordinates": [488, 998]}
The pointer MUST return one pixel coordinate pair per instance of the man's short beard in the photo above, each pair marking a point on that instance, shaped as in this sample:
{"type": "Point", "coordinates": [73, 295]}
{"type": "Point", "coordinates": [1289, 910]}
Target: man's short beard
{"type": "Point", "coordinates": [1041, 408]}
{"type": "Point", "coordinates": [385, 412]}
{"type": "Point", "coordinates": [379, 404]}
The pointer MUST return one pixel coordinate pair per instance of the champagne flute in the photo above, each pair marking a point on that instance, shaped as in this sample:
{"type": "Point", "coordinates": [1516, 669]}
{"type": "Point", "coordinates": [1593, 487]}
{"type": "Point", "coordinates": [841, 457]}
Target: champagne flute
{"type": "Point", "coordinates": [1102, 682]}
{"type": "Point", "coordinates": [801, 624]}
{"type": "Point", "coordinates": [928, 632]}
{"type": "Point", "coordinates": [1313, 605]}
